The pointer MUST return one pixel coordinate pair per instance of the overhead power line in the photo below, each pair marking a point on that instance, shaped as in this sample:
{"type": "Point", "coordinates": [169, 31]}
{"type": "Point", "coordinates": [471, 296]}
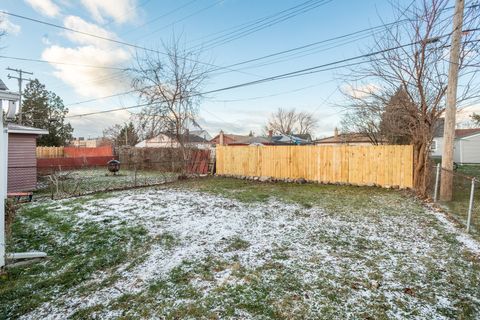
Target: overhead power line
{"type": "Point", "coordinates": [160, 17]}
{"type": "Point", "coordinates": [106, 38]}
{"type": "Point", "coordinates": [345, 36]}
{"type": "Point", "coordinates": [306, 71]}
{"type": "Point", "coordinates": [263, 23]}
{"type": "Point", "coordinates": [62, 63]}
{"type": "Point", "coordinates": [182, 19]}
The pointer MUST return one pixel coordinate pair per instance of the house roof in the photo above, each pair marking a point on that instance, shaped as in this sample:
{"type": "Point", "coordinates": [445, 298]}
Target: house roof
{"type": "Point", "coordinates": [297, 139]}
{"type": "Point", "coordinates": [346, 138]}
{"type": "Point", "coordinates": [201, 133]}
{"type": "Point", "coordinates": [195, 138]}
{"type": "Point", "coordinates": [305, 136]}
{"type": "Point", "coordinates": [16, 128]}
{"type": "Point", "coordinates": [462, 133]}
{"type": "Point", "coordinates": [189, 138]}
{"type": "Point", "coordinates": [236, 138]}
{"type": "Point", "coordinates": [3, 87]}
{"type": "Point", "coordinates": [459, 133]}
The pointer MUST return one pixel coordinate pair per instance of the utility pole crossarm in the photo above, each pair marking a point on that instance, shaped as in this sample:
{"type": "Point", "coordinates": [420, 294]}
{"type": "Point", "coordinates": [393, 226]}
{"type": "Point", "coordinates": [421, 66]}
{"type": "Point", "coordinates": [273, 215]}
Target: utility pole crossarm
{"type": "Point", "coordinates": [20, 80]}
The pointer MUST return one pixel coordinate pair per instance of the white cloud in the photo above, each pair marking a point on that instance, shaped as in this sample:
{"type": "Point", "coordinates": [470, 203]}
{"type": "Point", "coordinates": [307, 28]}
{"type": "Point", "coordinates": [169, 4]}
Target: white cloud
{"type": "Point", "coordinates": [77, 23]}
{"type": "Point", "coordinates": [361, 91]}
{"type": "Point", "coordinates": [45, 7]}
{"type": "Point", "coordinates": [86, 81]}
{"type": "Point", "coordinates": [120, 10]}
{"type": "Point", "coordinates": [7, 26]}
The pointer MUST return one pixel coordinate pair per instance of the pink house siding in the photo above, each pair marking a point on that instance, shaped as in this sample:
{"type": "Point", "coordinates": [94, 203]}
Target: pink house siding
{"type": "Point", "coordinates": [22, 162]}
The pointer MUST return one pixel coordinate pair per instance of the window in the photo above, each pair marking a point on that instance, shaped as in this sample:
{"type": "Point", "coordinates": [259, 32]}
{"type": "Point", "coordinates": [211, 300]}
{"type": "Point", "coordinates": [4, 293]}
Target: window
{"type": "Point", "coordinates": [433, 146]}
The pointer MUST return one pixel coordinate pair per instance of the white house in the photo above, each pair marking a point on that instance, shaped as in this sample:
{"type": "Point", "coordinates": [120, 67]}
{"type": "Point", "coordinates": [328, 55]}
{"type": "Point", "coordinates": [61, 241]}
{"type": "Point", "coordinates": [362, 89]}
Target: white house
{"type": "Point", "coordinates": [167, 140]}
{"type": "Point", "coordinates": [466, 148]}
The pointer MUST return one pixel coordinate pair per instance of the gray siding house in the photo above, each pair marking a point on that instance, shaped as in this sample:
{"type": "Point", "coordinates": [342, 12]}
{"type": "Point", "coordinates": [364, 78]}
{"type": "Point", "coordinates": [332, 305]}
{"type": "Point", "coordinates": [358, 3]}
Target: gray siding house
{"type": "Point", "coordinates": [22, 161]}
{"type": "Point", "coordinates": [466, 148]}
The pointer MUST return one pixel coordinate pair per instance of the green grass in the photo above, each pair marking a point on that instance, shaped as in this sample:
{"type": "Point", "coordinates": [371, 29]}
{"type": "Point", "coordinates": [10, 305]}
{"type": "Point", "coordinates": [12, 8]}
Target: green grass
{"type": "Point", "coordinates": [85, 181]}
{"type": "Point", "coordinates": [459, 205]}
{"type": "Point", "coordinates": [305, 195]}
{"type": "Point", "coordinates": [469, 170]}
{"type": "Point", "coordinates": [223, 284]}
{"type": "Point", "coordinates": [76, 253]}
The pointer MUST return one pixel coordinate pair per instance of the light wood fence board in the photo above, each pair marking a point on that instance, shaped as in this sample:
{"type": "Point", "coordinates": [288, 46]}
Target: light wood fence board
{"type": "Point", "coordinates": [383, 165]}
{"type": "Point", "coordinates": [49, 152]}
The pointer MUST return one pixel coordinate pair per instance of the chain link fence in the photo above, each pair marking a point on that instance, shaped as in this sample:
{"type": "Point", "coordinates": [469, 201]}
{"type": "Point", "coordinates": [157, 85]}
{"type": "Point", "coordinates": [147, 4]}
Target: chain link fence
{"type": "Point", "coordinates": [465, 201]}
{"type": "Point", "coordinates": [58, 183]}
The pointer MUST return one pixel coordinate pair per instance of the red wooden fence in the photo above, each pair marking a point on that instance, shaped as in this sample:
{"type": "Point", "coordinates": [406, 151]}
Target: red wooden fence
{"type": "Point", "coordinates": [199, 162]}
{"type": "Point", "coordinates": [77, 152]}
{"type": "Point", "coordinates": [72, 163]}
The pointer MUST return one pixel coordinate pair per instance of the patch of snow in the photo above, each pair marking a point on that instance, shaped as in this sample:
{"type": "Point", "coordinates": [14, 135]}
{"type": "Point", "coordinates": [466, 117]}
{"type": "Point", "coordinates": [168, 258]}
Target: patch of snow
{"type": "Point", "coordinates": [318, 245]}
{"type": "Point", "coordinates": [471, 244]}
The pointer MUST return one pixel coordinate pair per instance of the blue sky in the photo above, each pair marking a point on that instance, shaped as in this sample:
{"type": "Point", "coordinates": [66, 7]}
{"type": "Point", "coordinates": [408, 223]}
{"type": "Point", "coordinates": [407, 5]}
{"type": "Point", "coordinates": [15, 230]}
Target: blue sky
{"type": "Point", "coordinates": [149, 22]}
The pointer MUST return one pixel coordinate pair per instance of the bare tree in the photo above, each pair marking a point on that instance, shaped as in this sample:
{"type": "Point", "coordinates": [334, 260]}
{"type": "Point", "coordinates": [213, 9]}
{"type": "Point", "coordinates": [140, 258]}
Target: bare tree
{"type": "Point", "coordinates": [291, 122]}
{"type": "Point", "coordinates": [306, 123]}
{"type": "Point", "coordinates": [364, 117]}
{"type": "Point", "coordinates": [413, 56]}
{"type": "Point", "coordinates": [171, 86]}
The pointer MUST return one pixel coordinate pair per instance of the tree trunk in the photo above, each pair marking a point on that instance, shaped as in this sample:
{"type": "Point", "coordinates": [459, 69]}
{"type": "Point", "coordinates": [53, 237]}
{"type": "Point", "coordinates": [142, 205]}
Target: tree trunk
{"type": "Point", "coordinates": [421, 168]}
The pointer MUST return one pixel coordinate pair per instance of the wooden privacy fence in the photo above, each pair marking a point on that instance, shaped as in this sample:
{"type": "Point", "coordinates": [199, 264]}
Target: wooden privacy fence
{"type": "Point", "coordinates": [384, 165]}
{"type": "Point", "coordinates": [50, 152]}
{"type": "Point", "coordinates": [74, 152]}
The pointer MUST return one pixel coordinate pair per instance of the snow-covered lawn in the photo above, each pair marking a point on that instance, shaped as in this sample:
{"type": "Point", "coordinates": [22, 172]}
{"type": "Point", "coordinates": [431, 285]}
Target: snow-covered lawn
{"type": "Point", "coordinates": [194, 250]}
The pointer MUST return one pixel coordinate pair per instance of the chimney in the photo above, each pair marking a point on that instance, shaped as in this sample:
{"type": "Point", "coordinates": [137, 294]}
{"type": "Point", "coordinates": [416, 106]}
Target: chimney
{"type": "Point", "coordinates": [221, 138]}
{"type": "Point", "coordinates": [335, 132]}
{"type": "Point", "coordinates": [270, 133]}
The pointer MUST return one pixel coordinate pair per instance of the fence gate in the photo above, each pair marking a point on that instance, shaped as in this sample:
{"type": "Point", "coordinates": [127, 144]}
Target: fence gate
{"type": "Point", "coordinates": [199, 162]}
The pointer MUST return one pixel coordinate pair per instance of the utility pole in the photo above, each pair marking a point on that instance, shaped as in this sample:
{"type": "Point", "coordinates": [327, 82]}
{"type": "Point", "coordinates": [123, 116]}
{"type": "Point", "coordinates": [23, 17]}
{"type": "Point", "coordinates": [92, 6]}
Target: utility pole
{"type": "Point", "coordinates": [446, 185]}
{"type": "Point", "coordinates": [20, 79]}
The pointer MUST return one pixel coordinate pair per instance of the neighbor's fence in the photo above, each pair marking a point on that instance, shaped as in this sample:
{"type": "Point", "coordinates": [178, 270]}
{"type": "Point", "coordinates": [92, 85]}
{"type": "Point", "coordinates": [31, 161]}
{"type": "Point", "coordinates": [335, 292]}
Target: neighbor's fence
{"type": "Point", "coordinates": [45, 165]}
{"type": "Point", "coordinates": [63, 182]}
{"type": "Point", "coordinates": [50, 152]}
{"type": "Point", "coordinates": [465, 202]}
{"type": "Point", "coordinates": [73, 152]}
{"type": "Point", "coordinates": [359, 165]}
{"type": "Point", "coordinates": [166, 158]}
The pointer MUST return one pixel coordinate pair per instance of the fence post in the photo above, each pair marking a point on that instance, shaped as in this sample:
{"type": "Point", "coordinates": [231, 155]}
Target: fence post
{"type": "Point", "coordinates": [470, 205]}
{"type": "Point", "coordinates": [437, 179]}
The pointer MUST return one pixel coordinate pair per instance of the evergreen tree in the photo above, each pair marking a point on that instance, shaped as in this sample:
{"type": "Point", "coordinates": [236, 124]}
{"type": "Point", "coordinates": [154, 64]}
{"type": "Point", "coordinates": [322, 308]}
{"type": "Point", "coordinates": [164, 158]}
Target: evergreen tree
{"type": "Point", "coordinates": [476, 118]}
{"type": "Point", "coordinates": [44, 109]}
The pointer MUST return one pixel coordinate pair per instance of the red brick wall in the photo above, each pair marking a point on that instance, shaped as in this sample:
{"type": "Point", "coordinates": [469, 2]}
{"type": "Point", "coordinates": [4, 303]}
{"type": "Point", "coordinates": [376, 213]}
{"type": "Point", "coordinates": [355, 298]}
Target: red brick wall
{"type": "Point", "coordinates": [22, 163]}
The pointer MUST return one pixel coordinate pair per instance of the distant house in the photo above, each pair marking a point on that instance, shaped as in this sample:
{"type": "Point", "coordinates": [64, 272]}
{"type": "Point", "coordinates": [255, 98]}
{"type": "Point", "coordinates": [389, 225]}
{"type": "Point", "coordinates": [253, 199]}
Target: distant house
{"type": "Point", "coordinates": [81, 142]}
{"type": "Point", "coordinates": [466, 145]}
{"type": "Point", "coordinates": [169, 140]}
{"type": "Point", "coordinates": [22, 161]}
{"type": "Point", "coordinates": [352, 139]}
{"type": "Point", "coordinates": [246, 140]}
{"type": "Point", "coordinates": [202, 134]}
{"type": "Point", "coordinates": [232, 139]}
{"type": "Point", "coordinates": [290, 139]}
